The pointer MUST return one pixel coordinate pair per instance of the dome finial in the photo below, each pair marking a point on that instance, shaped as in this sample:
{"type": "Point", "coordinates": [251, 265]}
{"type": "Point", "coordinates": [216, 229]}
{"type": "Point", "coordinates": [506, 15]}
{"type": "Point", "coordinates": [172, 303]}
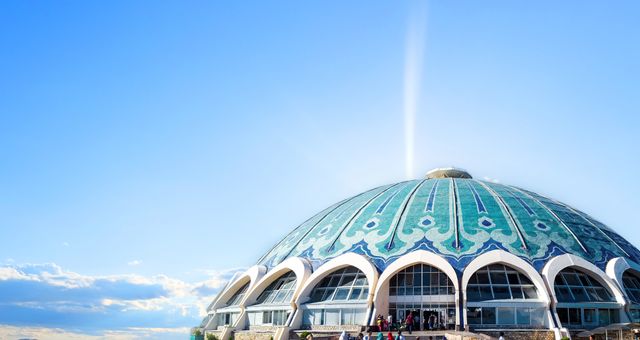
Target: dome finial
{"type": "Point", "coordinates": [450, 172]}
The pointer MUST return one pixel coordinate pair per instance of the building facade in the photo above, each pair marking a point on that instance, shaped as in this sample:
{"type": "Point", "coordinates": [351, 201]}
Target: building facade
{"type": "Point", "coordinates": [452, 251]}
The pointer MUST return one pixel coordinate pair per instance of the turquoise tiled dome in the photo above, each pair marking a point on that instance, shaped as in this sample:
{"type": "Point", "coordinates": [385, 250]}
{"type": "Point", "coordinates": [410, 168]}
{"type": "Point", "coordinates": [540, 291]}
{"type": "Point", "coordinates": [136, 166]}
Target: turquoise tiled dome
{"type": "Point", "coordinates": [457, 218]}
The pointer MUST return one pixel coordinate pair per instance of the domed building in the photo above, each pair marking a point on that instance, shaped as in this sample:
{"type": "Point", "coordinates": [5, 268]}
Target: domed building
{"type": "Point", "coordinates": [454, 252]}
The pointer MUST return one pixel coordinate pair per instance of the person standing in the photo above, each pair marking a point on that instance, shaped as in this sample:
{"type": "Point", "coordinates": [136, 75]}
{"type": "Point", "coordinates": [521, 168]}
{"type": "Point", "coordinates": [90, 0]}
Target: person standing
{"type": "Point", "coordinates": [409, 322]}
{"type": "Point", "coordinates": [390, 321]}
{"type": "Point", "coordinates": [400, 336]}
{"type": "Point", "coordinates": [501, 336]}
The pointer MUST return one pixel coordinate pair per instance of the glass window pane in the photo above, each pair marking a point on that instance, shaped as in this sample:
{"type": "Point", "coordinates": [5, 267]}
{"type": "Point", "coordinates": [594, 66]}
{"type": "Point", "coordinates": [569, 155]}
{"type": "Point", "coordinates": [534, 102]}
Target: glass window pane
{"type": "Point", "coordinates": [506, 316]}
{"type": "Point", "coordinates": [417, 279]}
{"type": "Point", "coordinates": [604, 294]}
{"type": "Point", "coordinates": [498, 278]}
{"type": "Point", "coordinates": [563, 315]}
{"type": "Point", "coordinates": [341, 294]}
{"type": "Point", "coordinates": [485, 293]}
{"type": "Point", "coordinates": [483, 278]}
{"type": "Point", "coordinates": [474, 315]}
{"type": "Point", "coordinates": [589, 316]}
{"type": "Point", "coordinates": [355, 294]}
{"type": "Point", "coordinates": [318, 317]}
{"type": "Point", "coordinates": [307, 318]}
{"type": "Point", "coordinates": [501, 292]}
{"type": "Point", "coordinates": [347, 280]}
{"type": "Point", "coordinates": [488, 316]}
{"type": "Point", "coordinates": [434, 279]}
{"type": "Point", "coordinates": [574, 316]}
{"type": "Point", "coordinates": [516, 292]}
{"type": "Point", "coordinates": [530, 292]}
{"type": "Point", "coordinates": [615, 316]}
{"type": "Point", "coordinates": [444, 279]}
{"type": "Point", "coordinates": [513, 278]}
{"type": "Point", "coordinates": [317, 295]}
{"type": "Point", "coordinates": [572, 279]}
{"type": "Point", "coordinates": [361, 281]}
{"type": "Point", "coordinates": [563, 294]}
{"type": "Point", "coordinates": [579, 294]}
{"type": "Point", "coordinates": [585, 280]}
{"type": "Point", "coordinates": [347, 317]}
{"type": "Point", "coordinates": [332, 317]}
{"type": "Point", "coordinates": [409, 279]}
{"type": "Point", "coordinates": [537, 317]}
{"type": "Point", "coordinates": [473, 293]}
{"type": "Point", "coordinates": [603, 317]}
{"type": "Point", "coordinates": [523, 316]}
{"type": "Point", "coordinates": [525, 280]}
{"type": "Point", "coordinates": [426, 279]}
{"type": "Point", "coordinates": [401, 281]}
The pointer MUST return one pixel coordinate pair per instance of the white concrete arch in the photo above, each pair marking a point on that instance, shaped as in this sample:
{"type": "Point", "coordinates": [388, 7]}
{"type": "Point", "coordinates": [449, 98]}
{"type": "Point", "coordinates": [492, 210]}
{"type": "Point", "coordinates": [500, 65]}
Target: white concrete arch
{"type": "Point", "coordinates": [381, 294]}
{"type": "Point", "coordinates": [616, 268]}
{"type": "Point", "coordinates": [558, 263]}
{"type": "Point", "coordinates": [300, 267]}
{"type": "Point", "coordinates": [251, 276]}
{"type": "Point", "coordinates": [510, 260]}
{"type": "Point", "coordinates": [345, 260]}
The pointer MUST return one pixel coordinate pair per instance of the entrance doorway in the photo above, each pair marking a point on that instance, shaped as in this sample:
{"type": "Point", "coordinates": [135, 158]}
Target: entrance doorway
{"type": "Point", "coordinates": [425, 317]}
{"type": "Point", "coordinates": [428, 293]}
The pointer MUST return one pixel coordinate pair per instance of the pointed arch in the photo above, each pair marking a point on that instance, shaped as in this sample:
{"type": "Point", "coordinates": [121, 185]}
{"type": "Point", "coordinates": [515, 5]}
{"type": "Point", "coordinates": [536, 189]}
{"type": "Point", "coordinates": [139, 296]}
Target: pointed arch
{"type": "Point", "coordinates": [381, 294]}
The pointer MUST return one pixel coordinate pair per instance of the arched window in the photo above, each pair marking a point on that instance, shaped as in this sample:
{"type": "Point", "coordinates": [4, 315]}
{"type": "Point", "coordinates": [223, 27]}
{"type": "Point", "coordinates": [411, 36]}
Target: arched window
{"type": "Point", "coordinates": [272, 305]}
{"type": "Point", "coordinates": [280, 291]}
{"type": "Point", "coordinates": [572, 285]}
{"type": "Point", "coordinates": [632, 286]}
{"type": "Point", "coordinates": [583, 302]}
{"type": "Point", "coordinates": [499, 282]}
{"type": "Point", "coordinates": [421, 279]}
{"type": "Point", "coordinates": [237, 296]}
{"type": "Point", "coordinates": [338, 300]}
{"type": "Point", "coordinates": [501, 295]}
{"type": "Point", "coordinates": [424, 292]}
{"type": "Point", "coordinates": [228, 314]}
{"type": "Point", "coordinates": [342, 285]}
{"type": "Point", "coordinates": [631, 283]}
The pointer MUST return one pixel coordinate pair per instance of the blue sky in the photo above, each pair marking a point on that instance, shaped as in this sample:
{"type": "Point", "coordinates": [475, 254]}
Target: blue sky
{"type": "Point", "coordinates": [142, 142]}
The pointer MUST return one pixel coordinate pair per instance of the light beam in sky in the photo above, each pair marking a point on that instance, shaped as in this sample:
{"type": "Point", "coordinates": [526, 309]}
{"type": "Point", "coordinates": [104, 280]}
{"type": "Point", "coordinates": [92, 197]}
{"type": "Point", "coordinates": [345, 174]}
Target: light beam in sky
{"type": "Point", "coordinates": [414, 54]}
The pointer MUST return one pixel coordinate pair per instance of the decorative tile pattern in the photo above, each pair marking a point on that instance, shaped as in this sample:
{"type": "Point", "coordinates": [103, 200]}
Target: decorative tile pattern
{"type": "Point", "coordinates": [455, 218]}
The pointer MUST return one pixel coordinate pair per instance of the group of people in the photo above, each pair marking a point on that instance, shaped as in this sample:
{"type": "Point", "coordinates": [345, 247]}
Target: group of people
{"type": "Point", "coordinates": [410, 323]}
{"type": "Point", "coordinates": [380, 336]}
{"type": "Point", "coordinates": [384, 324]}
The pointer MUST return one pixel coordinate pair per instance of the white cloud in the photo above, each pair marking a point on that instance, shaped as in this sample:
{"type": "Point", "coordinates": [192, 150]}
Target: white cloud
{"type": "Point", "coordinates": [47, 295]}
{"type": "Point", "coordinates": [134, 263]}
{"type": "Point", "coordinates": [13, 332]}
